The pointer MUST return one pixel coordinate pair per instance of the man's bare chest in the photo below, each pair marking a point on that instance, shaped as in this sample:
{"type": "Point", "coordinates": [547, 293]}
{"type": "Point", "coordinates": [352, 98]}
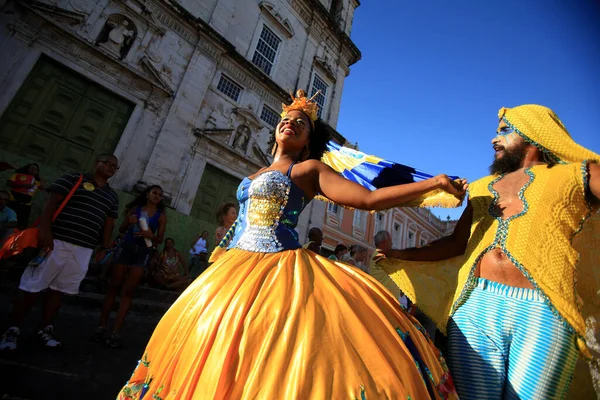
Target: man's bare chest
{"type": "Point", "coordinates": [508, 189]}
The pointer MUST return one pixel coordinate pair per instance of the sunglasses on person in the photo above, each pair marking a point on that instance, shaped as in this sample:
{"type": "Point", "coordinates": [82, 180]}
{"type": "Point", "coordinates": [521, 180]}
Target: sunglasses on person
{"type": "Point", "coordinates": [109, 164]}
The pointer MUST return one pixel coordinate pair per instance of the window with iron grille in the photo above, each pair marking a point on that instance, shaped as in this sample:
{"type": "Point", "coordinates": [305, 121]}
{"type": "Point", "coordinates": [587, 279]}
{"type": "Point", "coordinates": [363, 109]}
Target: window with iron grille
{"type": "Point", "coordinates": [319, 84]}
{"type": "Point", "coordinates": [229, 88]}
{"type": "Point", "coordinates": [396, 238]}
{"type": "Point", "coordinates": [332, 208]}
{"type": "Point", "coordinates": [360, 220]}
{"type": "Point", "coordinates": [266, 50]}
{"type": "Point", "coordinates": [379, 221]}
{"type": "Point", "coordinates": [269, 116]}
{"type": "Point", "coordinates": [411, 239]}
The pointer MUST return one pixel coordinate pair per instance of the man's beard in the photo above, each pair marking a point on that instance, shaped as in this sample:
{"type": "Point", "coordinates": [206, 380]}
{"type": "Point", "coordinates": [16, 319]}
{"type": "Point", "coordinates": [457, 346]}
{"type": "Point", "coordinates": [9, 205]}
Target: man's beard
{"type": "Point", "coordinates": [510, 161]}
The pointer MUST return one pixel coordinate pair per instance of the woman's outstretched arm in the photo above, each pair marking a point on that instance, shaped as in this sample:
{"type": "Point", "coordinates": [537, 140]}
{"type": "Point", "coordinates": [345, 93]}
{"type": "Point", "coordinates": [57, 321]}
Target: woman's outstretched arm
{"type": "Point", "coordinates": [342, 191]}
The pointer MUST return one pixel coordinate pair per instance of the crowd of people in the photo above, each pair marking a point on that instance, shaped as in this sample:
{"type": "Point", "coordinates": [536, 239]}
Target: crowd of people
{"type": "Point", "coordinates": [86, 224]}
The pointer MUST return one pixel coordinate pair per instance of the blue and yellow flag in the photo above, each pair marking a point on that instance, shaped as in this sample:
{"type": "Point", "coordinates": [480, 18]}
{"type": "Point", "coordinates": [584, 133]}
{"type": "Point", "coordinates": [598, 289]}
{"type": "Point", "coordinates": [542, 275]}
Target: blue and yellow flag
{"type": "Point", "coordinates": [373, 173]}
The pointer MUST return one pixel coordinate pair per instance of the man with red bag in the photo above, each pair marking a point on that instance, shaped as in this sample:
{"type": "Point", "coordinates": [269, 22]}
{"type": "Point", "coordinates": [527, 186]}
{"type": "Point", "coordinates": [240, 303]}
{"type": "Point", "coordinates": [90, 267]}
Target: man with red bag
{"type": "Point", "coordinates": [67, 244]}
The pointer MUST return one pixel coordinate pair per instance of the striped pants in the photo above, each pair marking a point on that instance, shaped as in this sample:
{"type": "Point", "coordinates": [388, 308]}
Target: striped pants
{"type": "Point", "coordinates": [505, 343]}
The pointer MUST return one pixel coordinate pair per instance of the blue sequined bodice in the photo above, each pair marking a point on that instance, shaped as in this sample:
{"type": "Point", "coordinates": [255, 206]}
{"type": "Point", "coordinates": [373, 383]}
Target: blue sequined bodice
{"type": "Point", "coordinates": [269, 209]}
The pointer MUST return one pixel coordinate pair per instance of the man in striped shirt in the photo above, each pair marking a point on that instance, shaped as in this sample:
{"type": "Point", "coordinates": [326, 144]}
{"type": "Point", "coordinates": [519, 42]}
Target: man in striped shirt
{"type": "Point", "coordinates": [87, 218]}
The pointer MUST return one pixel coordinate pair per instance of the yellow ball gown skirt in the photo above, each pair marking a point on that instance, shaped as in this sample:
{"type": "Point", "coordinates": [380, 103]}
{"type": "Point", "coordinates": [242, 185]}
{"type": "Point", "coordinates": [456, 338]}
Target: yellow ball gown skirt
{"type": "Point", "coordinates": [287, 325]}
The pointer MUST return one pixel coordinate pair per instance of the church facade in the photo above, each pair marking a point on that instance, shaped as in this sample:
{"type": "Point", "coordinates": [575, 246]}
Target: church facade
{"type": "Point", "coordinates": [185, 93]}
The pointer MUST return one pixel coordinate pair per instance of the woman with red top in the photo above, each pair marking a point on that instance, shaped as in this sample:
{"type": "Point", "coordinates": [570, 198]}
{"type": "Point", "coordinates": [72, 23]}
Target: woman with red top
{"type": "Point", "coordinates": [23, 184]}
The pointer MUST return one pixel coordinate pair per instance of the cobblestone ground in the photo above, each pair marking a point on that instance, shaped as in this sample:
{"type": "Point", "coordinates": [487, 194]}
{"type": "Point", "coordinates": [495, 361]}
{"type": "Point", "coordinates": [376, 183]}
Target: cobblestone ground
{"type": "Point", "coordinates": [80, 369]}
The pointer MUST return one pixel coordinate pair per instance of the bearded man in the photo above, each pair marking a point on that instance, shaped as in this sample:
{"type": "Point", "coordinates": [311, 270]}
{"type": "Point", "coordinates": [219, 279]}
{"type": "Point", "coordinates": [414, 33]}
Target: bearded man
{"type": "Point", "coordinates": [514, 291]}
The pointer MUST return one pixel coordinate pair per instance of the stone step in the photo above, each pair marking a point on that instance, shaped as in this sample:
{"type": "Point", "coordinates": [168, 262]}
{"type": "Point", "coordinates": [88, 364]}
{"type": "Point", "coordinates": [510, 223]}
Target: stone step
{"type": "Point", "coordinates": [143, 292]}
{"type": "Point", "coordinates": [95, 300]}
{"type": "Point", "coordinates": [80, 369]}
{"type": "Point", "coordinates": [151, 302]}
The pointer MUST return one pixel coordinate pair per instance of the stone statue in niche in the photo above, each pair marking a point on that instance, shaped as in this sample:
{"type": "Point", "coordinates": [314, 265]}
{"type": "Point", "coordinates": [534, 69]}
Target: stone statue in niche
{"type": "Point", "coordinates": [242, 137]}
{"type": "Point", "coordinates": [117, 35]}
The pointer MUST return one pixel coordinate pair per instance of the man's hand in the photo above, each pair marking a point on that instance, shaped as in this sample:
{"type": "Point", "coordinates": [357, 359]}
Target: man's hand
{"type": "Point", "coordinates": [100, 254]}
{"type": "Point", "coordinates": [45, 239]}
{"type": "Point", "coordinates": [378, 255]}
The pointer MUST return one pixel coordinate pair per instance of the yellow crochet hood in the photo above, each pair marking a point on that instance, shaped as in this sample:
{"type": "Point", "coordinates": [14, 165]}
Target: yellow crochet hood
{"type": "Point", "coordinates": [541, 127]}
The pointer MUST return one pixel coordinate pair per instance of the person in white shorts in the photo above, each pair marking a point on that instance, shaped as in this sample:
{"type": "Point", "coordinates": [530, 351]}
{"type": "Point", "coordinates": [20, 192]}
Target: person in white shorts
{"type": "Point", "coordinates": [69, 242]}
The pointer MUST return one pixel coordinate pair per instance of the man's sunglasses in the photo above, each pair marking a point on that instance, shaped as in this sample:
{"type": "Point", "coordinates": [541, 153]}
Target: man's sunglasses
{"type": "Point", "coordinates": [109, 164]}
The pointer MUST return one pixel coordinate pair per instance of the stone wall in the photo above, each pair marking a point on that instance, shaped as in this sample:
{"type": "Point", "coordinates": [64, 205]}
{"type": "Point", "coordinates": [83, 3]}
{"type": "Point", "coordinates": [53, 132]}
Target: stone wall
{"type": "Point", "coordinates": [167, 61]}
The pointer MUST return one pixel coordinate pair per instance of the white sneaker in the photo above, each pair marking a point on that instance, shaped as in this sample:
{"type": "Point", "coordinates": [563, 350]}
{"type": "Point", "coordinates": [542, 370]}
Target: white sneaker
{"type": "Point", "coordinates": [46, 338]}
{"type": "Point", "coordinates": [9, 339]}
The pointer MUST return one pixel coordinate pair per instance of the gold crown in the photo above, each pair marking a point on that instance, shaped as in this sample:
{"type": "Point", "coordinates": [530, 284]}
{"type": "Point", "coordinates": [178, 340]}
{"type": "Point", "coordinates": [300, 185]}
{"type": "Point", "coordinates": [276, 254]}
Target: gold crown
{"type": "Point", "coordinates": [301, 103]}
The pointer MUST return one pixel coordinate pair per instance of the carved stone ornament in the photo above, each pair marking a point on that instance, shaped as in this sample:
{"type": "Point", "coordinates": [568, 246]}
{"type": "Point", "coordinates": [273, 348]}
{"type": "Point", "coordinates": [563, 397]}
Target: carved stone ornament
{"type": "Point", "coordinates": [283, 23]}
{"type": "Point", "coordinates": [56, 13]}
{"type": "Point", "coordinates": [163, 83]}
{"type": "Point", "coordinates": [220, 133]}
{"type": "Point", "coordinates": [144, 10]}
{"type": "Point", "coordinates": [327, 66]}
{"type": "Point", "coordinates": [211, 140]}
{"type": "Point", "coordinates": [82, 6]}
{"type": "Point", "coordinates": [249, 118]}
{"type": "Point", "coordinates": [117, 35]}
{"type": "Point", "coordinates": [241, 138]}
{"type": "Point", "coordinates": [261, 155]}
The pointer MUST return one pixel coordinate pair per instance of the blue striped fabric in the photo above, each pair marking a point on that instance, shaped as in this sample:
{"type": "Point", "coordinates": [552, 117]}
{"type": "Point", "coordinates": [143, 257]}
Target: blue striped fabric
{"type": "Point", "coordinates": [505, 343]}
{"type": "Point", "coordinates": [372, 172]}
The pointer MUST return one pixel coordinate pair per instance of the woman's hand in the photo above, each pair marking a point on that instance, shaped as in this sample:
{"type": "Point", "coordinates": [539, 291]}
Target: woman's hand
{"type": "Point", "coordinates": [457, 188]}
{"type": "Point", "coordinates": [145, 234]}
{"type": "Point", "coordinates": [100, 254]}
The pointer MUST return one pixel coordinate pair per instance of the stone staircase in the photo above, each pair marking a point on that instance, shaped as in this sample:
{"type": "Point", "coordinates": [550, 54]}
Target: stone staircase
{"type": "Point", "coordinates": [147, 300]}
{"type": "Point", "coordinates": [80, 369]}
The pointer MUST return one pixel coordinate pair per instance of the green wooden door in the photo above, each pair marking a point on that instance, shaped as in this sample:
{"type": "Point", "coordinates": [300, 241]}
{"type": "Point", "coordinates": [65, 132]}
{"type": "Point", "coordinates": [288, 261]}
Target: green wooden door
{"type": "Point", "coordinates": [61, 119]}
{"type": "Point", "coordinates": [216, 187]}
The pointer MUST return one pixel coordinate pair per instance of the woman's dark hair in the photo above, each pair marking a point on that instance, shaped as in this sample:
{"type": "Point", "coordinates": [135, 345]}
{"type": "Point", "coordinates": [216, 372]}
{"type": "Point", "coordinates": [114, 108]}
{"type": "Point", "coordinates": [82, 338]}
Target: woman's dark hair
{"type": "Point", "coordinates": [318, 138]}
{"type": "Point", "coordinates": [339, 247]}
{"type": "Point", "coordinates": [142, 200]}
{"type": "Point", "coordinates": [25, 170]}
{"type": "Point", "coordinates": [222, 210]}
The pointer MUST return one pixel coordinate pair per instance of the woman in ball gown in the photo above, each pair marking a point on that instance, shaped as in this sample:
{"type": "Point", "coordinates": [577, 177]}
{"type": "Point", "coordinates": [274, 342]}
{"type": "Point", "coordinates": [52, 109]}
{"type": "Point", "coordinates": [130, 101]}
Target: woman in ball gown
{"type": "Point", "coordinates": [270, 320]}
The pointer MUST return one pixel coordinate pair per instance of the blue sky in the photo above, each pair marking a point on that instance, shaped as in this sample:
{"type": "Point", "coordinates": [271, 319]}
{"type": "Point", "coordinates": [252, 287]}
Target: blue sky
{"type": "Point", "coordinates": [434, 74]}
